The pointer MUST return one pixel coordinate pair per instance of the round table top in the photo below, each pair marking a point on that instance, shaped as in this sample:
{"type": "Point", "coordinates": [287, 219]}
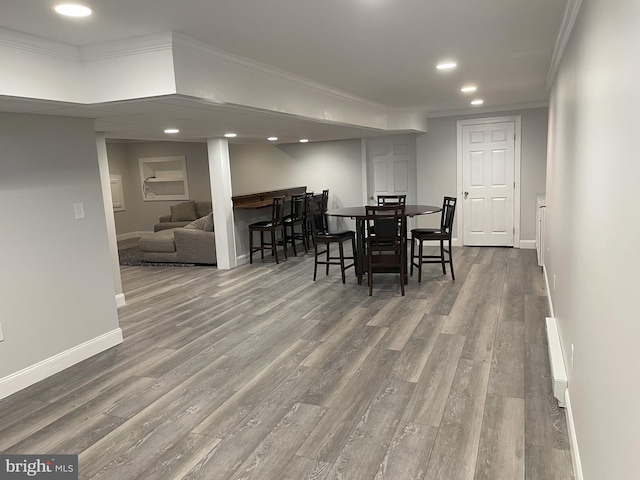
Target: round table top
{"type": "Point", "coordinates": [409, 210]}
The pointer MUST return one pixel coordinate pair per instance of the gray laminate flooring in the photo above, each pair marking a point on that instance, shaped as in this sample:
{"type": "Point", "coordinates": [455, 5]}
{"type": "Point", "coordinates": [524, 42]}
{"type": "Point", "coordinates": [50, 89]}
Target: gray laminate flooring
{"type": "Point", "coordinates": [259, 372]}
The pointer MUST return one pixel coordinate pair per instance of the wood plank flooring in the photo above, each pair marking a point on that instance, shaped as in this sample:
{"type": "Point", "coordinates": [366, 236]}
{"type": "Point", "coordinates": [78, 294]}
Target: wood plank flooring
{"type": "Point", "coordinates": [261, 373]}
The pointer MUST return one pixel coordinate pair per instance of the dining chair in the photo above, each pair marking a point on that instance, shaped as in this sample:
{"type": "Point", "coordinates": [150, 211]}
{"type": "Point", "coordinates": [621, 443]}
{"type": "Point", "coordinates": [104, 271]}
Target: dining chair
{"type": "Point", "coordinates": [322, 236]}
{"type": "Point", "coordinates": [392, 200]}
{"type": "Point", "coordinates": [294, 223]}
{"type": "Point", "coordinates": [306, 226]}
{"type": "Point", "coordinates": [274, 226]}
{"type": "Point", "coordinates": [442, 234]}
{"type": "Point", "coordinates": [386, 242]}
{"type": "Point", "coordinates": [325, 200]}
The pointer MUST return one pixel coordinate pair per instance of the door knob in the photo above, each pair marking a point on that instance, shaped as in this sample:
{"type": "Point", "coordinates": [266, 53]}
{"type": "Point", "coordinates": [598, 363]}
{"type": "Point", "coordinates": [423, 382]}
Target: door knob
{"type": "Point", "coordinates": [465, 195]}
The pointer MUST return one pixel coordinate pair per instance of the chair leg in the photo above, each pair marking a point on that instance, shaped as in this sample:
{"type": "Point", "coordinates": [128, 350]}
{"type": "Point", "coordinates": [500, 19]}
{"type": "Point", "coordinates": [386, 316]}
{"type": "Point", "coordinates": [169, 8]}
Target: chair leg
{"type": "Point", "coordinates": [403, 269]}
{"type": "Point", "coordinates": [353, 252]}
{"type": "Point", "coordinates": [293, 239]}
{"type": "Point", "coordinates": [453, 276]}
{"type": "Point", "coordinates": [274, 246]}
{"type": "Point", "coordinates": [261, 244]}
{"type": "Point", "coordinates": [284, 244]}
{"type": "Point", "coordinates": [341, 248]}
{"type": "Point", "coordinates": [250, 247]}
{"type": "Point", "coordinates": [315, 261]}
{"type": "Point", "coordinates": [444, 270]}
{"type": "Point", "coordinates": [420, 260]}
{"type": "Point", "coordinates": [413, 244]}
{"type": "Point", "coordinates": [327, 271]}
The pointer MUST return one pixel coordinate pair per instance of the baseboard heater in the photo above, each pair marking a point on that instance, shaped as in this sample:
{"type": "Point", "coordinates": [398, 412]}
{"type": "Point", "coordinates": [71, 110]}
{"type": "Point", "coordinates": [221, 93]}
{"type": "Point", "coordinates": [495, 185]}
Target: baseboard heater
{"type": "Point", "coordinates": [556, 360]}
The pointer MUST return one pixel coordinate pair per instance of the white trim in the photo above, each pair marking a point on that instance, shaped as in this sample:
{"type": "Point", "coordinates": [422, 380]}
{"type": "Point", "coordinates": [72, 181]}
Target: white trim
{"type": "Point", "coordinates": [483, 110]}
{"type": "Point", "coordinates": [528, 244]}
{"type": "Point", "coordinates": [34, 44]}
{"type": "Point", "coordinates": [556, 361]}
{"type": "Point", "coordinates": [568, 21]}
{"type": "Point", "coordinates": [549, 300]}
{"type": "Point", "coordinates": [120, 300]}
{"type": "Point", "coordinates": [517, 119]}
{"type": "Point", "coordinates": [44, 369]}
{"type": "Point", "coordinates": [573, 439]}
{"type": "Point", "coordinates": [154, 42]}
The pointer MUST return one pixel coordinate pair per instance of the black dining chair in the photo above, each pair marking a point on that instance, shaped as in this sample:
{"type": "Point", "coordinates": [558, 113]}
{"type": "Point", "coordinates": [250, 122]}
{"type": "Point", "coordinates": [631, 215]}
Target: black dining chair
{"type": "Point", "coordinates": [386, 243]}
{"type": "Point", "coordinates": [274, 227]}
{"type": "Point", "coordinates": [294, 228]}
{"type": "Point", "coordinates": [322, 236]}
{"type": "Point", "coordinates": [442, 234]}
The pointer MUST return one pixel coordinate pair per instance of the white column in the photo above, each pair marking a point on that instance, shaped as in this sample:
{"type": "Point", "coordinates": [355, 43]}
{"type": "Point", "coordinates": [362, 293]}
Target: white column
{"type": "Point", "coordinates": [220, 173]}
{"type": "Point", "coordinates": [105, 182]}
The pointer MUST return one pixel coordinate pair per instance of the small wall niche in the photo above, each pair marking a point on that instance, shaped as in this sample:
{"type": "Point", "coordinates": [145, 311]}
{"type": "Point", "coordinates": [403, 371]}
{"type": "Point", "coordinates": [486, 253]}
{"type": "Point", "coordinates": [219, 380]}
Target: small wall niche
{"type": "Point", "coordinates": [164, 178]}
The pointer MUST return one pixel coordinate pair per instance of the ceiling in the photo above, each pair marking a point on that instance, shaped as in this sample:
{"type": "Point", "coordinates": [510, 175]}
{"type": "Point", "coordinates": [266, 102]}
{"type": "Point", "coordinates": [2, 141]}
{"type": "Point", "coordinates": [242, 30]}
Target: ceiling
{"type": "Point", "coordinates": [384, 51]}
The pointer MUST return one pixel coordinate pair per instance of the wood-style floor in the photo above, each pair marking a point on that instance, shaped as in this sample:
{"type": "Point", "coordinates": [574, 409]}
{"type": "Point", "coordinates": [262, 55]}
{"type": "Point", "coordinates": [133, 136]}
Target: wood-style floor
{"type": "Point", "coordinates": [258, 372]}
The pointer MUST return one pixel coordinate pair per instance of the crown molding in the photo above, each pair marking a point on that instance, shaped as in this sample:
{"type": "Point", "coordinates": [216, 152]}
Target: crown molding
{"type": "Point", "coordinates": [566, 27]}
{"type": "Point", "coordinates": [129, 46]}
{"type": "Point", "coordinates": [500, 108]}
{"type": "Point", "coordinates": [38, 45]}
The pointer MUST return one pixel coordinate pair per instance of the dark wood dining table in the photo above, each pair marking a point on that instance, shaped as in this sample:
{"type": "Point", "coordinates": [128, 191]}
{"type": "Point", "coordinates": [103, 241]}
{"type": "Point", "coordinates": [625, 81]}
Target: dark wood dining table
{"type": "Point", "coordinates": [359, 215]}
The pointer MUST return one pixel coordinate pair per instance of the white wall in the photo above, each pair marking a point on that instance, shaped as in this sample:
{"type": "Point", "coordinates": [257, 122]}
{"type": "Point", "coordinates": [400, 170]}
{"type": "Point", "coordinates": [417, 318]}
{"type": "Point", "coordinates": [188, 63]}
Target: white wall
{"type": "Point", "coordinates": [56, 277]}
{"type": "Point", "coordinates": [319, 165]}
{"type": "Point", "coordinates": [592, 232]}
{"type": "Point", "coordinates": [437, 172]}
{"type": "Point", "coordinates": [140, 216]}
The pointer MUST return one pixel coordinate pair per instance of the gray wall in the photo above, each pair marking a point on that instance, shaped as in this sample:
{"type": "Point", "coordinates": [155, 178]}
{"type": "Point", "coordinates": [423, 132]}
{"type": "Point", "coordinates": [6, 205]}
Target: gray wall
{"type": "Point", "coordinates": [140, 216]}
{"type": "Point", "coordinates": [318, 165]}
{"type": "Point", "coordinates": [56, 277]}
{"type": "Point", "coordinates": [437, 169]}
{"type": "Point", "coordinates": [592, 185]}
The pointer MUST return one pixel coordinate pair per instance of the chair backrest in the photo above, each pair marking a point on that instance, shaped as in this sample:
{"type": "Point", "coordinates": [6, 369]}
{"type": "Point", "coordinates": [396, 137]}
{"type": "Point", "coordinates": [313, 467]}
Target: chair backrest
{"type": "Point", "coordinates": [317, 217]}
{"type": "Point", "coordinates": [277, 210]}
{"type": "Point", "coordinates": [385, 223]}
{"type": "Point", "coordinates": [325, 200]}
{"type": "Point", "coordinates": [392, 200]}
{"type": "Point", "coordinates": [297, 205]}
{"type": "Point", "coordinates": [448, 212]}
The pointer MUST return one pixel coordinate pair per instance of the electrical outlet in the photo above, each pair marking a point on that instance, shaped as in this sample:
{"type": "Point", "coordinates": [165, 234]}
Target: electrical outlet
{"type": "Point", "coordinates": [1, 334]}
{"type": "Point", "coordinates": [79, 209]}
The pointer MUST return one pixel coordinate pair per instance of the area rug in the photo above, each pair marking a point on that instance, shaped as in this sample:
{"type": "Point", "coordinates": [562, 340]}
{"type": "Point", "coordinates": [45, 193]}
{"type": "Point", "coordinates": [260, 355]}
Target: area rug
{"type": "Point", "coordinates": [133, 257]}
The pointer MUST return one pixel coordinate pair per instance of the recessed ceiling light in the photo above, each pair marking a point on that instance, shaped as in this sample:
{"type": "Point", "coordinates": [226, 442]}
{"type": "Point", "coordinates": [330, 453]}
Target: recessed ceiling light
{"type": "Point", "coordinates": [230, 135]}
{"type": "Point", "coordinates": [272, 139]}
{"type": "Point", "coordinates": [73, 10]}
{"type": "Point", "coordinates": [304, 140]}
{"type": "Point", "coordinates": [477, 101]}
{"type": "Point", "coordinates": [172, 130]}
{"type": "Point", "coordinates": [469, 89]}
{"type": "Point", "coordinates": [446, 65]}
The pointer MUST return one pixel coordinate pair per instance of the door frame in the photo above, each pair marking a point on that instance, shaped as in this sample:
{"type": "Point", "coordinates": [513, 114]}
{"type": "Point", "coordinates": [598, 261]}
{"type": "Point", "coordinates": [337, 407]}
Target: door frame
{"type": "Point", "coordinates": [517, 119]}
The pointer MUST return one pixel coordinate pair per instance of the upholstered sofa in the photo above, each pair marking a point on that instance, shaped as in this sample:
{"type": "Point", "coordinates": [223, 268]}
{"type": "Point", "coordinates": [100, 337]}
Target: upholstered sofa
{"type": "Point", "coordinates": [182, 214]}
{"type": "Point", "coordinates": [191, 242]}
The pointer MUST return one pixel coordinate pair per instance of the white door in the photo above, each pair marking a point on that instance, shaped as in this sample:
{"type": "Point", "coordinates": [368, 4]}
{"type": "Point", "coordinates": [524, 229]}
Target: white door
{"type": "Point", "coordinates": [391, 163]}
{"type": "Point", "coordinates": [488, 184]}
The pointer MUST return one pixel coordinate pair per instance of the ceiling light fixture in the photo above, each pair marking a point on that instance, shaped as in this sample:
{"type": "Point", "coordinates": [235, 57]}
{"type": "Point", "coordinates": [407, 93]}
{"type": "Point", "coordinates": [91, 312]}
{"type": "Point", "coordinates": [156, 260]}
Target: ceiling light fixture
{"type": "Point", "coordinates": [172, 130]}
{"type": "Point", "coordinates": [230, 135]}
{"type": "Point", "coordinates": [73, 10]}
{"type": "Point", "coordinates": [304, 140]}
{"type": "Point", "coordinates": [446, 65]}
{"type": "Point", "coordinates": [272, 139]}
{"type": "Point", "coordinates": [477, 101]}
{"type": "Point", "coordinates": [468, 89]}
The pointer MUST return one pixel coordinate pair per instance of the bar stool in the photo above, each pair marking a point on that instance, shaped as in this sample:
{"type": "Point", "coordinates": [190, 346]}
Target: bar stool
{"type": "Point", "coordinates": [295, 219]}
{"type": "Point", "coordinates": [272, 226]}
{"type": "Point", "coordinates": [443, 234]}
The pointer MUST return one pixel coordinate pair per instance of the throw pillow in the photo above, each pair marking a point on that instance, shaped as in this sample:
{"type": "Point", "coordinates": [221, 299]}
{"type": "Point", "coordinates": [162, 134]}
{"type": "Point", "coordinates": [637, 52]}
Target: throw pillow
{"type": "Point", "coordinates": [182, 212]}
{"type": "Point", "coordinates": [203, 223]}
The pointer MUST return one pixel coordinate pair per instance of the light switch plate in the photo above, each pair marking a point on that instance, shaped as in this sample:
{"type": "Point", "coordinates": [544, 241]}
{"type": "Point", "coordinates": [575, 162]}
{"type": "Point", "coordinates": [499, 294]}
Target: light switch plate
{"type": "Point", "coordinates": [79, 209]}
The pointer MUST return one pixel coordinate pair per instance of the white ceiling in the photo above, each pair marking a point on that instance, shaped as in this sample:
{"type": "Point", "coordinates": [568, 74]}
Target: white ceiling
{"type": "Point", "coordinates": [381, 50]}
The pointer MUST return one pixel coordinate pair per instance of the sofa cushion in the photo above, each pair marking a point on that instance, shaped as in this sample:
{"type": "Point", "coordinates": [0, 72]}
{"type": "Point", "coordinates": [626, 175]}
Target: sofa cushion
{"type": "Point", "coordinates": [162, 241]}
{"type": "Point", "coordinates": [203, 208]}
{"type": "Point", "coordinates": [185, 211]}
{"type": "Point", "coordinates": [203, 223]}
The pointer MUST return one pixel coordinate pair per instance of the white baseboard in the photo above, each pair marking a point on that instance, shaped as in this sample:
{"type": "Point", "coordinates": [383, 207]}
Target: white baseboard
{"type": "Point", "coordinates": [573, 439]}
{"type": "Point", "coordinates": [556, 361]}
{"type": "Point", "coordinates": [130, 235]}
{"type": "Point", "coordinates": [120, 300]}
{"type": "Point", "coordinates": [44, 369]}
{"type": "Point", "coordinates": [528, 244]}
{"type": "Point", "coordinates": [549, 299]}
